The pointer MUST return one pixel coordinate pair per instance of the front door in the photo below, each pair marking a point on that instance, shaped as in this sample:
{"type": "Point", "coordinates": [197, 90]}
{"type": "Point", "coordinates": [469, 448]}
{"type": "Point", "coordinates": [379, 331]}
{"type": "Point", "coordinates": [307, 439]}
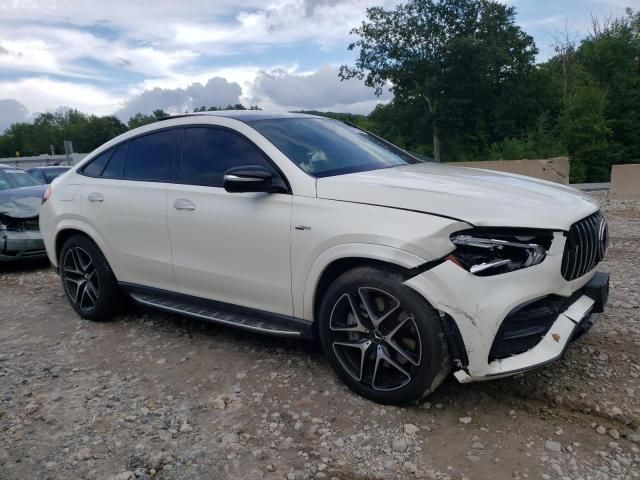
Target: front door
{"type": "Point", "coordinates": [230, 247]}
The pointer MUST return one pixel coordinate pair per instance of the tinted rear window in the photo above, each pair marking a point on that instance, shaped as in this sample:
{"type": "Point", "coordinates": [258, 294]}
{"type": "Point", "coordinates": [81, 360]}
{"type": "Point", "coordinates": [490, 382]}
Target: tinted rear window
{"type": "Point", "coordinates": [94, 169]}
{"type": "Point", "coordinates": [150, 157]}
{"type": "Point", "coordinates": [115, 167]}
{"type": "Point", "coordinates": [51, 174]}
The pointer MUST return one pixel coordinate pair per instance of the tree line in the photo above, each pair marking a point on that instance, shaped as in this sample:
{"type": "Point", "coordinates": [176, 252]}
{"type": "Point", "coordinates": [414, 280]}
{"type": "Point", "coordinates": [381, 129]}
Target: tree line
{"type": "Point", "coordinates": [87, 132]}
{"type": "Point", "coordinates": [465, 86]}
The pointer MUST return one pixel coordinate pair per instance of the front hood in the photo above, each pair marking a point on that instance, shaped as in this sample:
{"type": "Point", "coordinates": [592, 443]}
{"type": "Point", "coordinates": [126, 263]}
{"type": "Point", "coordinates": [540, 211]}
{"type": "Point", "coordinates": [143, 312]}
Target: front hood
{"type": "Point", "coordinates": [21, 202]}
{"type": "Point", "coordinates": [479, 197]}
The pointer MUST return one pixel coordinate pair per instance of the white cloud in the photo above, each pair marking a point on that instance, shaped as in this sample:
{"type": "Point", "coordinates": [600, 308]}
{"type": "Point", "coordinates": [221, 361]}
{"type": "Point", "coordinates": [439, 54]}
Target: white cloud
{"type": "Point", "coordinates": [62, 51]}
{"type": "Point", "coordinates": [103, 48]}
{"type": "Point", "coordinates": [40, 94]}
{"type": "Point", "coordinates": [323, 22]}
{"type": "Point", "coordinates": [318, 90]}
{"type": "Point", "coordinates": [212, 27]}
{"type": "Point", "coordinates": [11, 111]}
{"type": "Point", "coordinates": [215, 92]}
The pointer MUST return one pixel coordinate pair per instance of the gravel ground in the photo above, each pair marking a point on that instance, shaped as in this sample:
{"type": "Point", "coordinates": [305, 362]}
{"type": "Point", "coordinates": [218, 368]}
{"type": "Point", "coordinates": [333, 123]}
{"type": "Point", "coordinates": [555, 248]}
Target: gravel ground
{"type": "Point", "coordinates": [151, 395]}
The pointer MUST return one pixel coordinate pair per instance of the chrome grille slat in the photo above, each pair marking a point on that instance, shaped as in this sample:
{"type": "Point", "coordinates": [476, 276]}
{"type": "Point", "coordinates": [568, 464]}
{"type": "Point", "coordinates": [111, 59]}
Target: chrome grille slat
{"type": "Point", "coordinates": [593, 235]}
{"type": "Point", "coordinates": [582, 248]}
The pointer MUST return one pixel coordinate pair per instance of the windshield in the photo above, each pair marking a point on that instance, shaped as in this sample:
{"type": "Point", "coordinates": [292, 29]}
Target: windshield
{"type": "Point", "coordinates": [323, 147]}
{"type": "Point", "coordinates": [15, 178]}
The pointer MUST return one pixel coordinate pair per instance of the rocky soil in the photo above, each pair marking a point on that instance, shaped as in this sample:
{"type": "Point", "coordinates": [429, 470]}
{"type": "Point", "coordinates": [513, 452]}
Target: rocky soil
{"type": "Point", "coordinates": [150, 395]}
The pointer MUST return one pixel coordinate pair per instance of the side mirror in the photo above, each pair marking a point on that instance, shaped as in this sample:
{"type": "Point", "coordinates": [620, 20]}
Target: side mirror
{"type": "Point", "coordinates": [251, 178]}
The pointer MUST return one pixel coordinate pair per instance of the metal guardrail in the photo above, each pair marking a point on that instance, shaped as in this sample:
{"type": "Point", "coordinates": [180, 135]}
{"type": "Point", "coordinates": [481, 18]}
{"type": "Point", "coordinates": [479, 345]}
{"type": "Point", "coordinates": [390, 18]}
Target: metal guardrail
{"type": "Point", "coordinates": [43, 160]}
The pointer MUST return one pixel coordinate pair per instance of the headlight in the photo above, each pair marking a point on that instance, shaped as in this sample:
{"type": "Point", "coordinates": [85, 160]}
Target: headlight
{"type": "Point", "coordinates": [485, 252]}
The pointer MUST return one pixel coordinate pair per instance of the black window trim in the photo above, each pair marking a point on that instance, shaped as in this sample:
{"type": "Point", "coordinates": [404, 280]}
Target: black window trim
{"type": "Point", "coordinates": [175, 172]}
{"type": "Point", "coordinates": [124, 164]}
{"type": "Point", "coordinates": [178, 173]}
{"type": "Point", "coordinates": [109, 150]}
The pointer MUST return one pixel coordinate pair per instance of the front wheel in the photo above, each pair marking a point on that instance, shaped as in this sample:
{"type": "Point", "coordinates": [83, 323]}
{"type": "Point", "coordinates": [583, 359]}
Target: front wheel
{"type": "Point", "coordinates": [381, 337]}
{"type": "Point", "coordinates": [87, 279]}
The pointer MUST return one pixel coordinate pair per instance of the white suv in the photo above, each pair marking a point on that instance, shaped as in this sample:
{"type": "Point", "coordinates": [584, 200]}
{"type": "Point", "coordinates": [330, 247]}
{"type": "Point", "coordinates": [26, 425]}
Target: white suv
{"type": "Point", "coordinates": [302, 226]}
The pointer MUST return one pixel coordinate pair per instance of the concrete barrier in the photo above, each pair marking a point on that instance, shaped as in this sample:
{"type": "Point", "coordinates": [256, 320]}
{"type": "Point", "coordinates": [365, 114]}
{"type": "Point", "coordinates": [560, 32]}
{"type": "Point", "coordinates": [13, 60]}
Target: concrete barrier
{"type": "Point", "coordinates": [625, 182]}
{"type": "Point", "coordinates": [552, 169]}
{"type": "Point", "coordinates": [43, 160]}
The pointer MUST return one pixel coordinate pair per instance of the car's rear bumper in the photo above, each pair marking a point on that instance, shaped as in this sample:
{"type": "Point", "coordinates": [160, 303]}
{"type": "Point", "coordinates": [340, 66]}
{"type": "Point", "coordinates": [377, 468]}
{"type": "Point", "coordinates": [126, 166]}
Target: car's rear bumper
{"type": "Point", "coordinates": [21, 244]}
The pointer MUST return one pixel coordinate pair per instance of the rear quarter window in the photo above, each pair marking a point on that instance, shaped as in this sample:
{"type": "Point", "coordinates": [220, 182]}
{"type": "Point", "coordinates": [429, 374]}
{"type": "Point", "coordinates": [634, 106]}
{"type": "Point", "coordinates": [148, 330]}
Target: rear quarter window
{"type": "Point", "coordinates": [96, 166]}
{"type": "Point", "coordinates": [115, 167]}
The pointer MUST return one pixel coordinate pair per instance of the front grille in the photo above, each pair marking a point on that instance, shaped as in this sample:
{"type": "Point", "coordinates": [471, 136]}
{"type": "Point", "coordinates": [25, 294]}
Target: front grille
{"type": "Point", "coordinates": [32, 225]}
{"type": "Point", "coordinates": [20, 224]}
{"type": "Point", "coordinates": [586, 246]}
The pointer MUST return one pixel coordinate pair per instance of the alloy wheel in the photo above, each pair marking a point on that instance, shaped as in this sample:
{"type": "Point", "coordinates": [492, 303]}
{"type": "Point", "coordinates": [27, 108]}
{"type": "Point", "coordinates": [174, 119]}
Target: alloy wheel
{"type": "Point", "coordinates": [81, 278]}
{"type": "Point", "coordinates": [375, 339]}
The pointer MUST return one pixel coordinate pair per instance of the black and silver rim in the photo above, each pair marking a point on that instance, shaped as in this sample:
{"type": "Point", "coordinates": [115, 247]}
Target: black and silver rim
{"type": "Point", "coordinates": [81, 278]}
{"type": "Point", "coordinates": [375, 339]}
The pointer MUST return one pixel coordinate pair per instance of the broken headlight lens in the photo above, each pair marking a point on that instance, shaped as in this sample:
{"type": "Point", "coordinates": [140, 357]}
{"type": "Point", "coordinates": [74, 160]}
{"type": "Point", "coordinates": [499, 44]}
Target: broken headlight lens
{"type": "Point", "coordinates": [485, 252]}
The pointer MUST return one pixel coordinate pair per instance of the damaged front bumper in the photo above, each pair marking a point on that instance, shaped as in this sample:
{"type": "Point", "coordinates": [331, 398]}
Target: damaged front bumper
{"type": "Point", "coordinates": [553, 312]}
{"type": "Point", "coordinates": [20, 244]}
{"type": "Point", "coordinates": [568, 326]}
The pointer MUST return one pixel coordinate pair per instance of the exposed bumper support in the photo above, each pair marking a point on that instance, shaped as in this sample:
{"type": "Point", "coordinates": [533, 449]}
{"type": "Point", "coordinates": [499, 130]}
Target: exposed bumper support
{"type": "Point", "coordinates": [17, 245]}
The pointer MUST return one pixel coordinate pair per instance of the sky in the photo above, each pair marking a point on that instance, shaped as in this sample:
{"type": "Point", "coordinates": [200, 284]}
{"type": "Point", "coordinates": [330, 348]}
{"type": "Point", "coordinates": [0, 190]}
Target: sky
{"type": "Point", "coordinates": [126, 56]}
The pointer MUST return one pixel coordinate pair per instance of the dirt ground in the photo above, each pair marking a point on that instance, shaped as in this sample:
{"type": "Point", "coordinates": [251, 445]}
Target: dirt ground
{"type": "Point", "coordinates": [151, 395]}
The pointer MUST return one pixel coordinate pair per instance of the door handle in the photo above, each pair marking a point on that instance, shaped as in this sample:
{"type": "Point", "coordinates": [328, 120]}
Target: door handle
{"type": "Point", "coordinates": [95, 197]}
{"type": "Point", "coordinates": [183, 204]}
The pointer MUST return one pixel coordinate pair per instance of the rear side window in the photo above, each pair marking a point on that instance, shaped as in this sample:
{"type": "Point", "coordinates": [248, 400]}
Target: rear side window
{"type": "Point", "coordinates": [51, 175]}
{"type": "Point", "coordinates": [95, 168]}
{"type": "Point", "coordinates": [150, 157]}
{"type": "Point", "coordinates": [37, 174]}
{"type": "Point", "coordinates": [209, 152]}
{"type": "Point", "coordinates": [115, 167]}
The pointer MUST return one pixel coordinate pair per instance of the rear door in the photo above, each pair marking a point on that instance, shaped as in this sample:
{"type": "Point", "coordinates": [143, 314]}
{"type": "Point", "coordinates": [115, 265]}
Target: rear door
{"type": "Point", "coordinates": [125, 198]}
{"type": "Point", "coordinates": [230, 247]}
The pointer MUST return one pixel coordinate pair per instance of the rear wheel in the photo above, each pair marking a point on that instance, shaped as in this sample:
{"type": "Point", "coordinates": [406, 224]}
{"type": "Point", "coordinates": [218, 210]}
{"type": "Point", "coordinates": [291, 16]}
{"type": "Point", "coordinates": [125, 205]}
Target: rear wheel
{"type": "Point", "coordinates": [88, 280]}
{"type": "Point", "coordinates": [381, 337]}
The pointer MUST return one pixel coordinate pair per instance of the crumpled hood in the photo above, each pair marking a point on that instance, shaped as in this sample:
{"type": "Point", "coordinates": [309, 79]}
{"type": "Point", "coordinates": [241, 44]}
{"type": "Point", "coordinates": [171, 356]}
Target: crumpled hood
{"type": "Point", "coordinates": [21, 202]}
{"type": "Point", "coordinates": [479, 197]}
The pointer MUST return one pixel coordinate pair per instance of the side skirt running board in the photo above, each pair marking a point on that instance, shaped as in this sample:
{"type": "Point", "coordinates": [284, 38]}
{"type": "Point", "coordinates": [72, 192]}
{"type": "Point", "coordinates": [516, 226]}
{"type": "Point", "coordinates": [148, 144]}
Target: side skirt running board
{"type": "Point", "coordinates": [219, 312]}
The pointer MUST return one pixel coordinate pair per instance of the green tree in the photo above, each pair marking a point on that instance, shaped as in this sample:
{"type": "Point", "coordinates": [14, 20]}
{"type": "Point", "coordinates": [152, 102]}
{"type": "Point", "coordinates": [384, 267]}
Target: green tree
{"type": "Point", "coordinates": [611, 56]}
{"type": "Point", "coordinates": [139, 120]}
{"type": "Point", "coordinates": [585, 133]}
{"type": "Point", "coordinates": [449, 56]}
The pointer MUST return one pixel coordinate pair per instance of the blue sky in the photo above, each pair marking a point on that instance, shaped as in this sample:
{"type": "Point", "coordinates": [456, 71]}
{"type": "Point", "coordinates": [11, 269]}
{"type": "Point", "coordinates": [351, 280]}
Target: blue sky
{"type": "Point", "coordinates": [123, 56]}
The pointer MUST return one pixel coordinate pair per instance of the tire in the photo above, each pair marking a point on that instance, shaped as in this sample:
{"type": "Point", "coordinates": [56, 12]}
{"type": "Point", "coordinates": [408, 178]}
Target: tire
{"type": "Point", "coordinates": [87, 280]}
{"type": "Point", "coordinates": [408, 346]}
